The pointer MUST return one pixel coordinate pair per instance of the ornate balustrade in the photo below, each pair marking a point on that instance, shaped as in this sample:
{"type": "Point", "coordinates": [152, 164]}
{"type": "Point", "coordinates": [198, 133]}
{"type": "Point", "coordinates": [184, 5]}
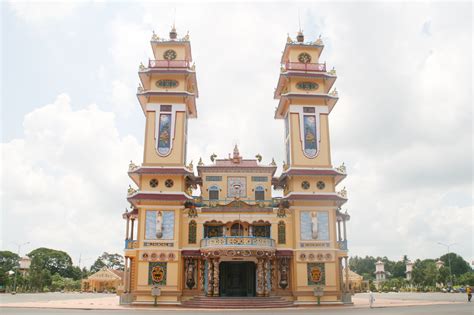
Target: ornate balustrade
{"type": "Point", "coordinates": [318, 67]}
{"type": "Point", "coordinates": [236, 203]}
{"type": "Point", "coordinates": [237, 241]}
{"type": "Point", "coordinates": [169, 64]}
{"type": "Point", "coordinates": [131, 244]}
{"type": "Point", "coordinates": [342, 245]}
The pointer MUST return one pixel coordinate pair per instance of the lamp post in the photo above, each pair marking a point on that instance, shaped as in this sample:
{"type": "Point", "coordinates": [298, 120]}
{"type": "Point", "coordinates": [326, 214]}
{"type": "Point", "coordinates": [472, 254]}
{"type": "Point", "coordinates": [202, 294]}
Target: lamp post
{"type": "Point", "coordinates": [449, 261]}
{"type": "Point", "coordinates": [17, 269]}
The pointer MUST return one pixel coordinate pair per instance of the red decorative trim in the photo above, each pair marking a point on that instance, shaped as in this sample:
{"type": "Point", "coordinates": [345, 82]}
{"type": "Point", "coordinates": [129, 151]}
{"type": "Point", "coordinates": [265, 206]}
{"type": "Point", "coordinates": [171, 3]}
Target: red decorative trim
{"type": "Point", "coordinates": [315, 197]}
{"type": "Point", "coordinates": [284, 253]}
{"type": "Point", "coordinates": [161, 170]}
{"type": "Point", "coordinates": [327, 172]}
{"type": "Point", "coordinates": [142, 196]}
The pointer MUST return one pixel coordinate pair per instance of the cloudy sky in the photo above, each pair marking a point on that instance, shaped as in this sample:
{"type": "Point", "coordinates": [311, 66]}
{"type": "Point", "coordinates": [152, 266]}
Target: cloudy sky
{"type": "Point", "coordinates": [70, 120]}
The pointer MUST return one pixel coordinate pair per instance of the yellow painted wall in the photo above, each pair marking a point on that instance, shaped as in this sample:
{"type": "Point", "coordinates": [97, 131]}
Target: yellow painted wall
{"type": "Point", "coordinates": [319, 81]}
{"type": "Point", "coordinates": [295, 51]}
{"type": "Point", "coordinates": [323, 159]}
{"type": "Point", "coordinates": [160, 49]}
{"type": "Point", "coordinates": [176, 157]}
{"type": "Point", "coordinates": [223, 185]}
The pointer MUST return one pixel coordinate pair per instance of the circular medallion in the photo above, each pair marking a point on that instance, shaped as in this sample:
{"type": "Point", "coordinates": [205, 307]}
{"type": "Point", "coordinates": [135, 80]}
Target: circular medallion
{"type": "Point", "coordinates": [307, 85]}
{"type": "Point", "coordinates": [145, 256]}
{"type": "Point", "coordinates": [169, 183]}
{"type": "Point", "coordinates": [153, 182]}
{"type": "Point", "coordinates": [320, 256]}
{"type": "Point", "coordinates": [157, 274]}
{"type": "Point", "coordinates": [166, 84]}
{"type": "Point", "coordinates": [170, 54]}
{"type": "Point", "coordinates": [171, 256]}
{"type": "Point", "coordinates": [304, 57]}
{"type": "Point", "coordinates": [302, 256]}
{"type": "Point", "coordinates": [305, 185]}
{"type": "Point", "coordinates": [328, 256]}
{"type": "Point", "coordinates": [320, 184]}
{"type": "Point", "coordinates": [162, 256]}
{"type": "Point", "coordinates": [153, 256]}
{"type": "Point", "coordinates": [311, 256]}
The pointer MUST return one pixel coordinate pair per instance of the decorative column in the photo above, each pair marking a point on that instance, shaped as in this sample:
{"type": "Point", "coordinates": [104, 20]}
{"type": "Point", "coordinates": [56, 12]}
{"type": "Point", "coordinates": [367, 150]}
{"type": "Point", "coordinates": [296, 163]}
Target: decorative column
{"type": "Point", "coordinates": [125, 275]}
{"type": "Point", "coordinates": [216, 276]}
{"type": "Point", "coordinates": [347, 273]}
{"type": "Point", "coordinates": [339, 230]}
{"type": "Point", "coordinates": [127, 229]}
{"type": "Point", "coordinates": [201, 274]}
{"type": "Point", "coordinates": [344, 224]}
{"type": "Point", "coordinates": [260, 277]}
{"type": "Point", "coordinates": [273, 274]}
{"type": "Point", "coordinates": [210, 277]}
{"type": "Point", "coordinates": [266, 273]}
{"type": "Point", "coordinates": [133, 227]}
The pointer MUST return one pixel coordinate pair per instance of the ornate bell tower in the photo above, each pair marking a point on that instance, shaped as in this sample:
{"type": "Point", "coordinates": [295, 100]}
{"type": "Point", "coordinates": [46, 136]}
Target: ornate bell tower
{"type": "Point", "coordinates": [167, 95]}
{"type": "Point", "coordinates": [306, 98]}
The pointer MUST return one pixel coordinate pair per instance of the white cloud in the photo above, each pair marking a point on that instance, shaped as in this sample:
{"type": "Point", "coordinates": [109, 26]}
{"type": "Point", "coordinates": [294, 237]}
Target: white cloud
{"type": "Point", "coordinates": [35, 11]}
{"type": "Point", "coordinates": [64, 183]}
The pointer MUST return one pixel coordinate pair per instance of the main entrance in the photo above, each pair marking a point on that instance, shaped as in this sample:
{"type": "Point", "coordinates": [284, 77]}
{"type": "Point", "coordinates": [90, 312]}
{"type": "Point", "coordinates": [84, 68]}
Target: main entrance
{"type": "Point", "coordinates": [237, 278]}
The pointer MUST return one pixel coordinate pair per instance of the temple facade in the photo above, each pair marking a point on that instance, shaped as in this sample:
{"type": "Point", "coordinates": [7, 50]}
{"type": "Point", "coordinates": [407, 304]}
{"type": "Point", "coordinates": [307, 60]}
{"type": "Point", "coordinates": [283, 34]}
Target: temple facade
{"type": "Point", "coordinates": [235, 238]}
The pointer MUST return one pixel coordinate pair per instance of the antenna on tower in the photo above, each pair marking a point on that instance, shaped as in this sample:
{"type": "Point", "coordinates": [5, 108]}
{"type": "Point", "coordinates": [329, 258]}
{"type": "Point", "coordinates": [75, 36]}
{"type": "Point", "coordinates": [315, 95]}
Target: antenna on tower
{"type": "Point", "coordinates": [299, 20]}
{"type": "Point", "coordinates": [174, 18]}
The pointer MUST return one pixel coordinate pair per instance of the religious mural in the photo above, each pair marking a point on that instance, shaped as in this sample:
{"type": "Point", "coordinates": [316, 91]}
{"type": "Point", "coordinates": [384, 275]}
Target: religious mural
{"type": "Point", "coordinates": [157, 273]}
{"type": "Point", "coordinates": [164, 134]}
{"type": "Point", "coordinates": [310, 139]}
{"type": "Point", "coordinates": [159, 225]}
{"type": "Point", "coordinates": [316, 274]}
{"type": "Point", "coordinates": [236, 187]}
{"type": "Point", "coordinates": [314, 225]}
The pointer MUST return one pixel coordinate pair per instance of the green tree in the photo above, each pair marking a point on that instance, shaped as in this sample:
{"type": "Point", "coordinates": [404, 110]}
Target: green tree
{"type": "Point", "coordinates": [364, 266]}
{"type": "Point", "coordinates": [458, 265]}
{"type": "Point", "coordinates": [9, 261]}
{"type": "Point", "coordinates": [112, 261]}
{"type": "Point", "coordinates": [466, 278]}
{"type": "Point", "coordinates": [46, 262]}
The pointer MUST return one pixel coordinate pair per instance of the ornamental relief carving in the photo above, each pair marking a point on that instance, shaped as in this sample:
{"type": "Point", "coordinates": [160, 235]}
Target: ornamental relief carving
{"type": "Point", "coordinates": [314, 256]}
{"type": "Point", "coordinates": [158, 256]}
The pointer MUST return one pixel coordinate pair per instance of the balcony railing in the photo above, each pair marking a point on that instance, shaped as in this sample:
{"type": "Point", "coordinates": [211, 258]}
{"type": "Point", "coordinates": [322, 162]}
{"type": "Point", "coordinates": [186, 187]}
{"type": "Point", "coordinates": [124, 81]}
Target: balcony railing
{"type": "Point", "coordinates": [131, 244]}
{"type": "Point", "coordinates": [168, 64]}
{"type": "Point", "coordinates": [237, 241]}
{"type": "Point", "coordinates": [236, 203]}
{"type": "Point", "coordinates": [342, 245]}
{"type": "Point", "coordinates": [318, 67]}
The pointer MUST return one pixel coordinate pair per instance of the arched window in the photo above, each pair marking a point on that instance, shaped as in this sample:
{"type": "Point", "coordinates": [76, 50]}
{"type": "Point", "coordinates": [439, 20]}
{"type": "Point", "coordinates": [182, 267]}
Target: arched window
{"type": "Point", "coordinates": [213, 193]}
{"type": "Point", "coordinates": [236, 230]}
{"type": "Point", "coordinates": [192, 232]}
{"type": "Point", "coordinates": [281, 232]}
{"type": "Point", "coordinates": [259, 193]}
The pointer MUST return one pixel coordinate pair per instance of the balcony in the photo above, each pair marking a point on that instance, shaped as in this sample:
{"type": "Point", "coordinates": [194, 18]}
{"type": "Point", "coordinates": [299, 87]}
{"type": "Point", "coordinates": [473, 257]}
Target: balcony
{"type": "Point", "coordinates": [131, 244]}
{"type": "Point", "coordinates": [342, 245]}
{"type": "Point", "coordinates": [299, 66]}
{"type": "Point", "coordinates": [169, 64]}
{"type": "Point", "coordinates": [236, 203]}
{"type": "Point", "coordinates": [227, 242]}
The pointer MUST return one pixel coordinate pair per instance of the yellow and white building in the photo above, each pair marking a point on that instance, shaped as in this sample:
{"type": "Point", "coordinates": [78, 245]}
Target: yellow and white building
{"type": "Point", "coordinates": [235, 238]}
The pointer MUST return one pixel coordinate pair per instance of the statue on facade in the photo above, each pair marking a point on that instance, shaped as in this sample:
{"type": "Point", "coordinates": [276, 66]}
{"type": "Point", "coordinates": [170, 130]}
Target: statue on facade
{"type": "Point", "coordinates": [283, 273]}
{"type": "Point", "coordinates": [314, 225]}
{"type": "Point", "coordinates": [159, 225]}
{"type": "Point", "coordinates": [190, 281]}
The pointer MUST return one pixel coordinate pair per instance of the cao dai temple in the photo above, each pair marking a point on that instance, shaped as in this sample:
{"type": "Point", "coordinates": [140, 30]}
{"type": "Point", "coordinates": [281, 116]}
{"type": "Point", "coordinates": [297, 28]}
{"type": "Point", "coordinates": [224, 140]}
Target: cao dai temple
{"type": "Point", "coordinates": [235, 239]}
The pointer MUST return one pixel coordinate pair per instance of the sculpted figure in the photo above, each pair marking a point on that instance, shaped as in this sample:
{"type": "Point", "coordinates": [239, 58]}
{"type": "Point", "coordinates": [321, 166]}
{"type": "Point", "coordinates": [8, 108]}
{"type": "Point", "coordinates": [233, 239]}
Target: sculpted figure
{"type": "Point", "coordinates": [159, 225]}
{"type": "Point", "coordinates": [190, 282]}
{"type": "Point", "coordinates": [314, 225]}
{"type": "Point", "coordinates": [283, 274]}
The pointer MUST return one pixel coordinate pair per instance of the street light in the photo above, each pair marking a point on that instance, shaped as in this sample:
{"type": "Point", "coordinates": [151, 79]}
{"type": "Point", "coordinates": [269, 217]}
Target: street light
{"type": "Point", "coordinates": [449, 261]}
{"type": "Point", "coordinates": [14, 281]}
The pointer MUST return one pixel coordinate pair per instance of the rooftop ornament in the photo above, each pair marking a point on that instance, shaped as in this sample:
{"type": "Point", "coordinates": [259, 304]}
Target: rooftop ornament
{"type": "Point", "coordinates": [213, 157]}
{"type": "Point", "coordinates": [259, 157]}
{"type": "Point", "coordinates": [319, 41]}
{"type": "Point", "coordinates": [132, 166]}
{"type": "Point", "coordinates": [334, 92]}
{"type": "Point", "coordinates": [341, 168]}
{"type": "Point", "coordinates": [333, 71]}
{"type": "Point", "coordinates": [186, 37]}
{"type": "Point", "coordinates": [154, 37]}
{"type": "Point", "coordinates": [141, 67]}
{"type": "Point", "coordinates": [273, 162]}
{"type": "Point", "coordinates": [288, 39]}
{"type": "Point", "coordinates": [343, 193]}
{"type": "Point", "coordinates": [131, 190]}
{"type": "Point", "coordinates": [173, 33]}
{"type": "Point", "coordinates": [300, 37]}
{"type": "Point", "coordinates": [200, 163]}
{"type": "Point", "coordinates": [191, 166]}
{"type": "Point", "coordinates": [139, 88]}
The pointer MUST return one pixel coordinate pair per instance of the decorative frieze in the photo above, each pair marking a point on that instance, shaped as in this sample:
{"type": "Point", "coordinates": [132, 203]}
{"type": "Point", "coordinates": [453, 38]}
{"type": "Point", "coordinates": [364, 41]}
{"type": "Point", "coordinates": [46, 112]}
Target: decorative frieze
{"type": "Point", "coordinates": [314, 256]}
{"type": "Point", "coordinates": [158, 256]}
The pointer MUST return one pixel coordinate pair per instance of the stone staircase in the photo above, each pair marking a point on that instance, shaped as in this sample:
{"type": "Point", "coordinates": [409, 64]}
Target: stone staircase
{"type": "Point", "coordinates": [236, 302]}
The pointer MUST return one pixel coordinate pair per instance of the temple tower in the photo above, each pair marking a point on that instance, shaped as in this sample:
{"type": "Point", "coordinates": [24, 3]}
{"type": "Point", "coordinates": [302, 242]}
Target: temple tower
{"type": "Point", "coordinates": [167, 95]}
{"type": "Point", "coordinates": [306, 98]}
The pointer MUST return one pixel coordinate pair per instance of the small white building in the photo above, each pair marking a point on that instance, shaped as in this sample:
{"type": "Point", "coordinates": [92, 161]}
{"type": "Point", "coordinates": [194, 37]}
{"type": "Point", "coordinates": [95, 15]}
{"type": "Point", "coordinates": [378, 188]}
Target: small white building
{"type": "Point", "coordinates": [409, 270]}
{"type": "Point", "coordinates": [379, 274]}
{"type": "Point", "coordinates": [25, 263]}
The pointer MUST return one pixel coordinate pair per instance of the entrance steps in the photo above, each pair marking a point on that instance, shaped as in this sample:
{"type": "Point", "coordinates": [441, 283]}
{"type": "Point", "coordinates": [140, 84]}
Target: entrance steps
{"type": "Point", "coordinates": [237, 302]}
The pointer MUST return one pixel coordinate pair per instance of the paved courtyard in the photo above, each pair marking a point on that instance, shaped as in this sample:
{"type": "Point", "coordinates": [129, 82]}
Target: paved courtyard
{"type": "Point", "coordinates": [103, 304]}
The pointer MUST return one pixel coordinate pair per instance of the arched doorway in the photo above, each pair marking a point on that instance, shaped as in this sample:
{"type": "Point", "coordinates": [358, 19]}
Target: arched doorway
{"type": "Point", "coordinates": [236, 230]}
